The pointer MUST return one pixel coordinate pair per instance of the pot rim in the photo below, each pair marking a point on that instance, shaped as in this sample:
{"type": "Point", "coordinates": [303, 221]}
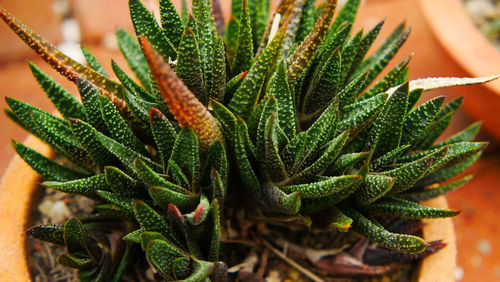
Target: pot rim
{"type": "Point", "coordinates": [455, 31]}
{"type": "Point", "coordinates": [18, 188]}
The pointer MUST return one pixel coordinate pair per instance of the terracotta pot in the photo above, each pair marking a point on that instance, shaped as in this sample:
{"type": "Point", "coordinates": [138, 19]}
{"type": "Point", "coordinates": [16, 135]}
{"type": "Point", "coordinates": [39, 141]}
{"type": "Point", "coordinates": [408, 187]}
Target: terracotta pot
{"type": "Point", "coordinates": [18, 191]}
{"type": "Point", "coordinates": [473, 52]}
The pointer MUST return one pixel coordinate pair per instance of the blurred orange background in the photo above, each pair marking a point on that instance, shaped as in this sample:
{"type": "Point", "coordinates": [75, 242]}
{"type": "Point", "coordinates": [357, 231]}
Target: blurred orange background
{"type": "Point", "coordinates": [477, 226]}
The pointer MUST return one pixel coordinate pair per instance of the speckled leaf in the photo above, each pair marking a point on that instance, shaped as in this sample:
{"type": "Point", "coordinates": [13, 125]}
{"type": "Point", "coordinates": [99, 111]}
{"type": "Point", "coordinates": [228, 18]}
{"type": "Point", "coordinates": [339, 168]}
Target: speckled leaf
{"type": "Point", "coordinates": [347, 14]}
{"type": "Point", "coordinates": [365, 44]}
{"type": "Point", "coordinates": [125, 154]}
{"type": "Point", "coordinates": [231, 37]}
{"type": "Point", "coordinates": [388, 158]}
{"type": "Point", "coordinates": [379, 60]}
{"type": "Point", "coordinates": [83, 186]}
{"type": "Point", "coordinates": [218, 162]}
{"type": "Point", "coordinates": [218, 84]}
{"type": "Point", "coordinates": [161, 255]}
{"type": "Point", "coordinates": [330, 153]}
{"type": "Point", "coordinates": [407, 175]}
{"type": "Point", "coordinates": [295, 150]}
{"type": "Point", "coordinates": [432, 133]}
{"type": "Point", "coordinates": [75, 238]}
{"type": "Point", "coordinates": [93, 62]}
{"type": "Point", "coordinates": [325, 84]}
{"type": "Point", "coordinates": [374, 187]}
{"type": "Point", "coordinates": [406, 209]}
{"type": "Point", "coordinates": [389, 80]}
{"type": "Point", "coordinates": [131, 85]}
{"type": "Point", "coordinates": [419, 119]}
{"type": "Point", "coordinates": [61, 138]}
{"type": "Point", "coordinates": [132, 53]}
{"type": "Point", "coordinates": [189, 65]}
{"type": "Point", "coordinates": [434, 190]}
{"type": "Point", "coordinates": [447, 173]}
{"type": "Point", "coordinates": [47, 232]}
{"type": "Point", "coordinates": [259, 12]}
{"type": "Point", "coordinates": [118, 127]}
{"type": "Point", "coordinates": [458, 152]}
{"type": "Point", "coordinates": [359, 114]}
{"type": "Point", "coordinates": [200, 214]}
{"type": "Point", "coordinates": [275, 167]}
{"type": "Point", "coordinates": [150, 220]}
{"type": "Point", "coordinates": [47, 168]}
{"type": "Point", "coordinates": [286, 109]}
{"type": "Point", "coordinates": [346, 161]}
{"type": "Point", "coordinates": [150, 178]}
{"type": "Point", "coordinates": [307, 20]}
{"type": "Point", "coordinates": [171, 22]}
{"type": "Point", "coordinates": [377, 234]}
{"type": "Point", "coordinates": [226, 119]}
{"type": "Point", "coordinates": [244, 52]}
{"type": "Point", "coordinates": [388, 127]}
{"type": "Point", "coordinates": [123, 184]}
{"type": "Point", "coordinates": [165, 196]}
{"type": "Point", "coordinates": [245, 98]}
{"type": "Point", "coordinates": [348, 94]}
{"type": "Point", "coordinates": [242, 160]}
{"type": "Point", "coordinates": [146, 25]}
{"type": "Point", "coordinates": [304, 53]}
{"type": "Point", "coordinates": [270, 108]}
{"type": "Point", "coordinates": [465, 135]}
{"type": "Point", "coordinates": [186, 153]}
{"type": "Point", "coordinates": [164, 135]}
{"type": "Point", "coordinates": [323, 188]}
{"type": "Point", "coordinates": [185, 107]}
{"type": "Point", "coordinates": [279, 201]}
{"type": "Point", "coordinates": [90, 99]}
{"type": "Point", "coordinates": [201, 271]}
{"type": "Point", "coordinates": [65, 103]}
{"type": "Point", "coordinates": [123, 202]}
{"type": "Point", "coordinates": [84, 134]}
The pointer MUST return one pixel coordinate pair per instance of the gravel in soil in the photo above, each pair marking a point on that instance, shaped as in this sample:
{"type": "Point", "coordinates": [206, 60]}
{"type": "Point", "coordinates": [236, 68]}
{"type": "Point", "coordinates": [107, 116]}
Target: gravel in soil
{"type": "Point", "coordinates": [486, 16]}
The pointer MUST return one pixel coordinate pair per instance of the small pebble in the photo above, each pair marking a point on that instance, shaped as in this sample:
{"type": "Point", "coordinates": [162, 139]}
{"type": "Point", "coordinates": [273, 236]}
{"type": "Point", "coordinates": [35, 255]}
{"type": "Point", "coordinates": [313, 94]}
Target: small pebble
{"type": "Point", "coordinates": [484, 246]}
{"type": "Point", "coordinates": [58, 213]}
{"type": "Point", "coordinates": [459, 273]}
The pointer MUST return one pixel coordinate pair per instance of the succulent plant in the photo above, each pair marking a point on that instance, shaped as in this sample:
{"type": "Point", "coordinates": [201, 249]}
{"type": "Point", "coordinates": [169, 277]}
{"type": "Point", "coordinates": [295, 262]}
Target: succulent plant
{"type": "Point", "coordinates": [278, 119]}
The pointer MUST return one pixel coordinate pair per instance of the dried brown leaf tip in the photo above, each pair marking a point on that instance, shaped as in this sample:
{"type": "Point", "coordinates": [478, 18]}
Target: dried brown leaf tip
{"type": "Point", "coordinates": [63, 64]}
{"type": "Point", "coordinates": [183, 104]}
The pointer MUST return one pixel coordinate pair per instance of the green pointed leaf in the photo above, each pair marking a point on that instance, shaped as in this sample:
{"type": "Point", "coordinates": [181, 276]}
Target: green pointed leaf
{"type": "Point", "coordinates": [218, 85]}
{"type": "Point", "coordinates": [65, 103]}
{"type": "Point", "coordinates": [244, 52]}
{"type": "Point", "coordinates": [364, 45]}
{"type": "Point", "coordinates": [48, 232]}
{"type": "Point", "coordinates": [186, 153]}
{"type": "Point", "coordinates": [118, 127]}
{"type": "Point", "coordinates": [124, 154]}
{"type": "Point", "coordinates": [90, 99]}
{"type": "Point", "coordinates": [171, 22]}
{"type": "Point", "coordinates": [132, 86]}
{"type": "Point", "coordinates": [150, 220]}
{"type": "Point", "coordinates": [407, 175]}
{"type": "Point", "coordinates": [337, 220]}
{"type": "Point", "coordinates": [359, 114]}
{"type": "Point", "coordinates": [242, 160]}
{"type": "Point", "coordinates": [259, 13]}
{"type": "Point", "coordinates": [307, 20]}
{"type": "Point", "coordinates": [465, 135]}
{"type": "Point", "coordinates": [323, 188]}
{"type": "Point", "coordinates": [165, 196]}
{"type": "Point", "coordinates": [389, 157]}
{"type": "Point", "coordinates": [161, 255]}
{"type": "Point", "coordinates": [84, 133]}
{"type": "Point", "coordinates": [433, 191]}
{"type": "Point", "coordinates": [84, 186]}
{"type": "Point", "coordinates": [406, 209]}
{"type": "Point", "coordinates": [189, 64]}
{"type": "Point", "coordinates": [419, 119]}
{"type": "Point", "coordinates": [123, 202]}
{"type": "Point", "coordinates": [146, 25]}
{"type": "Point", "coordinates": [449, 172]}
{"type": "Point", "coordinates": [377, 234]}
{"type": "Point", "coordinates": [132, 53]}
{"type": "Point", "coordinates": [388, 127]}
{"type": "Point", "coordinates": [391, 79]}
{"type": "Point", "coordinates": [273, 163]}
{"type": "Point", "coordinates": [374, 187]}
{"type": "Point", "coordinates": [347, 14]}
{"type": "Point", "coordinates": [93, 62]}
{"type": "Point", "coordinates": [47, 168]}
{"type": "Point", "coordinates": [286, 108]}
{"type": "Point", "coordinates": [245, 98]}
{"type": "Point", "coordinates": [279, 201]}
{"type": "Point", "coordinates": [346, 161]}
{"type": "Point", "coordinates": [164, 135]}
{"type": "Point", "coordinates": [123, 184]}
